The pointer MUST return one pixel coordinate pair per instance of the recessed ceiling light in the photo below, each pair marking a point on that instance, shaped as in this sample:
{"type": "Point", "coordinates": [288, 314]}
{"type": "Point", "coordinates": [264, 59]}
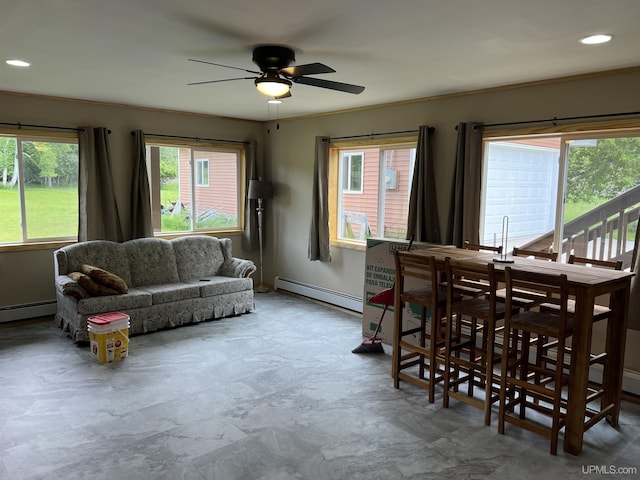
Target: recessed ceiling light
{"type": "Point", "coordinates": [596, 39]}
{"type": "Point", "coordinates": [18, 63]}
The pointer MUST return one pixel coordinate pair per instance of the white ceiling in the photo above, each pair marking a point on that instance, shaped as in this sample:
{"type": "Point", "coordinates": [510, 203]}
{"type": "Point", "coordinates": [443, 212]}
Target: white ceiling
{"type": "Point", "coordinates": [135, 51]}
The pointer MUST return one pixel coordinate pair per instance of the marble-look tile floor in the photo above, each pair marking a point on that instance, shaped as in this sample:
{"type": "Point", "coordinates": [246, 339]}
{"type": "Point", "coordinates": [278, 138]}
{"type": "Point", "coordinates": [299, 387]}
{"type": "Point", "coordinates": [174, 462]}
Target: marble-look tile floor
{"type": "Point", "coordinates": [272, 395]}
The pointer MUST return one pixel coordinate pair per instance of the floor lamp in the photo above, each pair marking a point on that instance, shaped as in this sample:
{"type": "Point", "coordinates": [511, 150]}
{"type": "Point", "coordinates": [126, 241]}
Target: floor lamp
{"type": "Point", "coordinates": [260, 190]}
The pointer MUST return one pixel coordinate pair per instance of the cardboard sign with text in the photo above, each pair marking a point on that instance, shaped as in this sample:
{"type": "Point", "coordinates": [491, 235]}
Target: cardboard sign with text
{"type": "Point", "coordinates": [380, 274]}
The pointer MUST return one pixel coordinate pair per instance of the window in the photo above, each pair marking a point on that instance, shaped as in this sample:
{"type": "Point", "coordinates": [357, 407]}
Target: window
{"type": "Point", "coordinates": [39, 191]}
{"type": "Point", "coordinates": [570, 192]}
{"type": "Point", "coordinates": [202, 172]}
{"type": "Point", "coordinates": [195, 188]}
{"type": "Point", "coordinates": [372, 188]}
{"type": "Point", "coordinates": [352, 172]}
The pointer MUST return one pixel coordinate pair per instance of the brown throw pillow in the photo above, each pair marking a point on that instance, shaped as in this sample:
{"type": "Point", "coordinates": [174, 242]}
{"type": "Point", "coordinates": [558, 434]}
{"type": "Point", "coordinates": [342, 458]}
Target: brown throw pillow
{"type": "Point", "coordinates": [107, 279]}
{"type": "Point", "coordinates": [93, 288]}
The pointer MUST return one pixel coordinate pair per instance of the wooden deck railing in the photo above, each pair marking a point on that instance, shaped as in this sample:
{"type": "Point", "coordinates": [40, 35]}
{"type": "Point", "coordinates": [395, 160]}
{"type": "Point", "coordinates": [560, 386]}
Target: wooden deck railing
{"type": "Point", "coordinates": [606, 232]}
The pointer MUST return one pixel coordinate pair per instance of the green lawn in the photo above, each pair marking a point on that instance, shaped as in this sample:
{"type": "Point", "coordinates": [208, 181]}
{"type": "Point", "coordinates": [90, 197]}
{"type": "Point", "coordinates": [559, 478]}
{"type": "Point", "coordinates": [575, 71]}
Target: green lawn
{"type": "Point", "coordinates": [51, 212]}
{"type": "Point", "coordinates": [575, 209]}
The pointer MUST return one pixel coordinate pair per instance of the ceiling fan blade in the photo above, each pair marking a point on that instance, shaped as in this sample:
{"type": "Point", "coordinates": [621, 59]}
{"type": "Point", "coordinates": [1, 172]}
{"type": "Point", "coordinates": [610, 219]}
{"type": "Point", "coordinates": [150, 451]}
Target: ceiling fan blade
{"type": "Point", "coordinates": [341, 87]}
{"type": "Point", "coordinates": [225, 66]}
{"type": "Point", "coordinates": [223, 80]}
{"type": "Point", "coordinates": [307, 69]}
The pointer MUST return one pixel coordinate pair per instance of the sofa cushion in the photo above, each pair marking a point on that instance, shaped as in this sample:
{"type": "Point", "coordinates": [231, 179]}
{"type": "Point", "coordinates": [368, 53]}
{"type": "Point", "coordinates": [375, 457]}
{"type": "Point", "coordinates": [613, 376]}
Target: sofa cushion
{"type": "Point", "coordinates": [135, 298]}
{"type": "Point", "coordinates": [105, 278]}
{"type": "Point", "coordinates": [172, 292]}
{"type": "Point", "coordinates": [151, 262]}
{"type": "Point", "coordinates": [198, 256]}
{"type": "Point", "coordinates": [212, 286]}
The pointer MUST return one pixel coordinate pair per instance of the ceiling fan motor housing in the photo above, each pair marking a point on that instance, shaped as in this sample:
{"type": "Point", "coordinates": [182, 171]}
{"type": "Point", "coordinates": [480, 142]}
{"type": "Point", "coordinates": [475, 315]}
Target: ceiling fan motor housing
{"type": "Point", "coordinates": [273, 57]}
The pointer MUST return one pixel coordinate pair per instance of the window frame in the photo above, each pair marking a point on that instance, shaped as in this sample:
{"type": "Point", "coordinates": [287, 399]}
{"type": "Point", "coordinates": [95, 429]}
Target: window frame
{"type": "Point", "coordinates": [64, 136]}
{"type": "Point", "coordinates": [335, 193]}
{"type": "Point", "coordinates": [153, 168]}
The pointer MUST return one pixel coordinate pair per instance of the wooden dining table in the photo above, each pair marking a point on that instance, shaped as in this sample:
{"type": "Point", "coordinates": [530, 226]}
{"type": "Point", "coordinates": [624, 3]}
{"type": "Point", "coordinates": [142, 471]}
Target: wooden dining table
{"type": "Point", "coordinates": [585, 285]}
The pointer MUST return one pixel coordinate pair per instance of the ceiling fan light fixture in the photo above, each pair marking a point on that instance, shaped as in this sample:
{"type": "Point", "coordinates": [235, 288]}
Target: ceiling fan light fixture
{"type": "Point", "coordinates": [273, 86]}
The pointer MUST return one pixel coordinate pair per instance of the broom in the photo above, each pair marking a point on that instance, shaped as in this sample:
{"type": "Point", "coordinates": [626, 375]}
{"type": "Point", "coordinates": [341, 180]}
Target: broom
{"type": "Point", "coordinates": [385, 297]}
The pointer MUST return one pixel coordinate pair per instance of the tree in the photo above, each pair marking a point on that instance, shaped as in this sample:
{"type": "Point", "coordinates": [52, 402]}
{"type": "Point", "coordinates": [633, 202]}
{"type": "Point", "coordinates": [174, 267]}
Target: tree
{"type": "Point", "coordinates": [168, 163]}
{"type": "Point", "coordinates": [605, 170]}
{"type": "Point", "coordinates": [47, 161]}
{"type": "Point", "coordinates": [7, 159]}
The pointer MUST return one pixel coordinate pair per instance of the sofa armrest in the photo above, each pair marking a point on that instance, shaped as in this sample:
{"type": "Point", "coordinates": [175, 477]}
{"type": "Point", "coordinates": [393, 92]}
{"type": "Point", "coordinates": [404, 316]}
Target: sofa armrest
{"type": "Point", "coordinates": [62, 280]}
{"type": "Point", "coordinates": [238, 268]}
{"type": "Point", "coordinates": [69, 287]}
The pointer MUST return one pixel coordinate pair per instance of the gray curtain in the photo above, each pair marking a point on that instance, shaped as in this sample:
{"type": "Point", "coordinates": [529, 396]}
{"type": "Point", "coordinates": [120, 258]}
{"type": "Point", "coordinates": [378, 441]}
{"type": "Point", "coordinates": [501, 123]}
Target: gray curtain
{"type": "Point", "coordinates": [634, 298]}
{"type": "Point", "coordinates": [250, 231]}
{"type": "Point", "coordinates": [319, 230]}
{"type": "Point", "coordinates": [141, 221]}
{"type": "Point", "coordinates": [464, 208]}
{"type": "Point", "coordinates": [98, 210]}
{"type": "Point", "coordinates": [423, 223]}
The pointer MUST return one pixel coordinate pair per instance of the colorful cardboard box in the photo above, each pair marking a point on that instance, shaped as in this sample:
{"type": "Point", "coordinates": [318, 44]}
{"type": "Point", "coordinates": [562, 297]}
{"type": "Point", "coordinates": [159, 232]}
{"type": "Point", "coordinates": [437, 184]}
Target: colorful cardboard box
{"type": "Point", "coordinates": [380, 273]}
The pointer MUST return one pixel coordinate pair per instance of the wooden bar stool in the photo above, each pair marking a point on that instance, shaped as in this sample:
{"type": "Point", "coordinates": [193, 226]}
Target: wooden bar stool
{"type": "Point", "coordinates": [471, 352]}
{"type": "Point", "coordinates": [520, 386]}
{"type": "Point", "coordinates": [468, 288]}
{"type": "Point", "coordinates": [548, 349]}
{"type": "Point", "coordinates": [418, 342]}
{"type": "Point", "coordinates": [527, 299]}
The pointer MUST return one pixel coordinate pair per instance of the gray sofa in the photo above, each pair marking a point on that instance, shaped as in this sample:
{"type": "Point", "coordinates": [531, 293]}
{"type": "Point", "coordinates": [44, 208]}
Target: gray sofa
{"type": "Point", "coordinates": [170, 282]}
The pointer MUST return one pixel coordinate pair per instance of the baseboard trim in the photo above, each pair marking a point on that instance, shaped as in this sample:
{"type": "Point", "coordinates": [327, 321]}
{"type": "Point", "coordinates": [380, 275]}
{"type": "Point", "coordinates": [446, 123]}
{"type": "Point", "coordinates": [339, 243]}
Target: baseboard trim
{"type": "Point", "coordinates": [26, 311]}
{"type": "Point", "coordinates": [350, 302]}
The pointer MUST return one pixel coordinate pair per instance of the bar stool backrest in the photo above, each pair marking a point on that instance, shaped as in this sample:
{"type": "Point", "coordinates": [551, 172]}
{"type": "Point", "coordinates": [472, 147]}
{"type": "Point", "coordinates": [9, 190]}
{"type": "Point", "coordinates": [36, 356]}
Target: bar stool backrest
{"type": "Point", "coordinates": [521, 252]}
{"type": "Point", "coordinates": [482, 248]}
{"type": "Point", "coordinates": [614, 264]}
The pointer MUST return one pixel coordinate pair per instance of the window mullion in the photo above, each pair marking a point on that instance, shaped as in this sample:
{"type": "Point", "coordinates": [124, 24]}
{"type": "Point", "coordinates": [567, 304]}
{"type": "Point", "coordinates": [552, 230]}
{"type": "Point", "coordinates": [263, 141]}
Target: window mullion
{"type": "Point", "coordinates": [382, 174]}
{"type": "Point", "coordinates": [192, 169]}
{"type": "Point", "coordinates": [21, 187]}
{"type": "Point", "coordinates": [563, 163]}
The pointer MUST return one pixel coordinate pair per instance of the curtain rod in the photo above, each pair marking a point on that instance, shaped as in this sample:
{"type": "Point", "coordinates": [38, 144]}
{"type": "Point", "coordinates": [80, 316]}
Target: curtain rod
{"type": "Point", "coordinates": [50, 127]}
{"type": "Point", "coordinates": [555, 119]}
{"type": "Point", "coordinates": [431, 129]}
{"type": "Point", "coordinates": [197, 139]}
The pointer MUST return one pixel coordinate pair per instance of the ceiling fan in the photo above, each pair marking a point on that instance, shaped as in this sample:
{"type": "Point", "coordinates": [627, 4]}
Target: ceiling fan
{"type": "Point", "coordinates": [276, 77]}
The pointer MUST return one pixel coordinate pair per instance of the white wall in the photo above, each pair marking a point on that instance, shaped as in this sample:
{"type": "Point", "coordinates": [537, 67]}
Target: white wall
{"type": "Point", "coordinates": [28, 276]}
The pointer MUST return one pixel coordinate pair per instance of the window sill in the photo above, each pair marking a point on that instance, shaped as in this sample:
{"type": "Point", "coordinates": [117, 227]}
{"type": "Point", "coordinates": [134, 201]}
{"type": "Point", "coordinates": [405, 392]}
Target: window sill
{"type": "Point", "coordinates": [351, 245]}
{"type": "Point", "coordinates": [20, 247]}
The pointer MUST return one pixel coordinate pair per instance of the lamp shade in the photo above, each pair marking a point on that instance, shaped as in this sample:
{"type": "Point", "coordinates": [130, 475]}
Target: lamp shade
{"type": "Point", "coordinates": [260, 189]}
{"type": "Point", "coordinates": [272, 85]}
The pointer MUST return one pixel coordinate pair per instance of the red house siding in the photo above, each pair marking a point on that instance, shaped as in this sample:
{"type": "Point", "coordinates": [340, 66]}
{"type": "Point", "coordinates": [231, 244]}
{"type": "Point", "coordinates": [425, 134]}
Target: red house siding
{"type": "Point", "coordinates": [222, 193]}
{"type": "Point", "coordinates": [395, 195]}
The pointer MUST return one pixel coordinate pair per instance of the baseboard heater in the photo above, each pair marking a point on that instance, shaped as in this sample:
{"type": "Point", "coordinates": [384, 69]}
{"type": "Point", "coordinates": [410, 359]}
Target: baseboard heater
{"type": "Point", "coordinates": [630, 379]}
{"type": "Point", "coordinates": [25, 311]}
{"type": "Point", "coordinates": [350, 302]}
